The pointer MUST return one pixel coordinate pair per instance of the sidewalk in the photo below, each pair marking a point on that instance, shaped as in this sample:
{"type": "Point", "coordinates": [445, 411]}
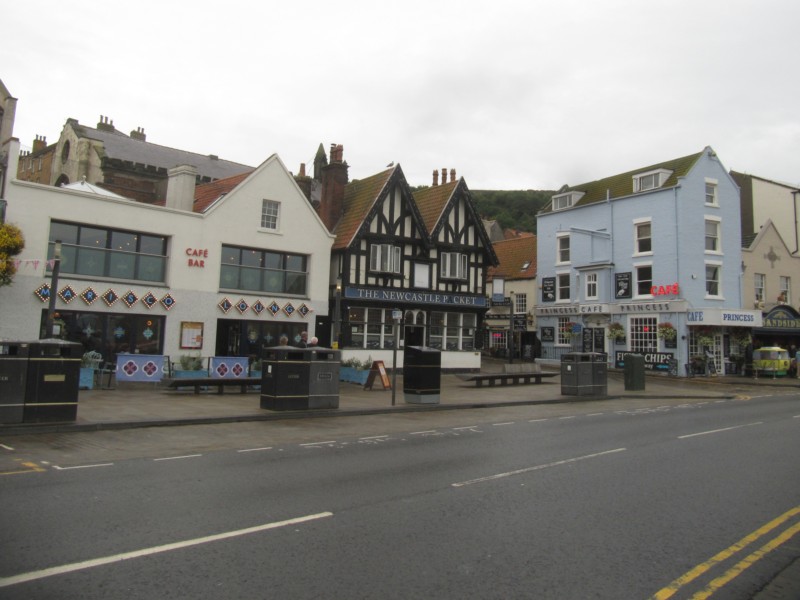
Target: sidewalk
{"type": "Point", "coordinates": [132, 405]}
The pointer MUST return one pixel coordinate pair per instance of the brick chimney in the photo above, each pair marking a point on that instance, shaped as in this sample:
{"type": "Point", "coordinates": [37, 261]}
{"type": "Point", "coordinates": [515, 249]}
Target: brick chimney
{"type": "Point", "coordinates": [435, 178]}
{"type": "Point", "coordinates": [452, 175]}
{"type": "Point", "coordinates": [105, 124]}
{"type": "Point", "coordinates": [444, 176]}
{"type": "Point", "coordinates": [40, 143]}
{"type": "Point", "coordinates": [180, 187]}
{"type": "Point", "coordinates": [334, 180]}
{"type": "Point", "coordinates": [138, 134]}
{"type": "Point", "coordinates": [304, 181]}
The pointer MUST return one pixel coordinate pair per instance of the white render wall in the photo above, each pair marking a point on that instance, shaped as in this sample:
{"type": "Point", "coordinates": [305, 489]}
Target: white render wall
{"type": "Point", "coordinates": [235, 220]}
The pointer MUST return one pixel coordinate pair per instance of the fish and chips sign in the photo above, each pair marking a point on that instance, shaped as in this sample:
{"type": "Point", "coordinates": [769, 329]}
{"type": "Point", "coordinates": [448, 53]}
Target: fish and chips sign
{"type": "Point", "coordinates": [653, 361]}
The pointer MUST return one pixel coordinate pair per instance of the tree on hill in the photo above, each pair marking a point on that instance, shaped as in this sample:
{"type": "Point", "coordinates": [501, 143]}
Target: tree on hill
{"type": "Point", "coordinates": [511, 208]}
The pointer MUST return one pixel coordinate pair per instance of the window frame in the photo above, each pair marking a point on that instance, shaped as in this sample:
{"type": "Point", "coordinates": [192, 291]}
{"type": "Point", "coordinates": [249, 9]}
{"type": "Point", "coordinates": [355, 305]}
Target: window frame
{"type": "Point", "coordinates": [449, 260]}
{"type": "Point", "coordinates": [560, 287]}
{"type": "Point", "coordinates": [762, 279]}
{"type": "Point", "coordinates": [385, 258]}
{"type": "Point", "coordinates": [638, 281]}
{"type": "Point", "coordinates": [638, 238]}
{"type": "Point", "coordinates": [592, 280]}
{"type": "Point", "coordinates": [717, 223]}
{"type": "Point", "coordinates": [718, 267]}
{"type": "Point", "coordinates": [713, 184]}
{"type": "Point", "coordinates": [561, 250]}
{"type": "Point", "coordinates": [650, 180]}
{"type": "Point", "coordinates": [263, 271]}
{"type": "Point", "coordinates": [266, 215]}
{"type": "Point", "coordinates": [785, 287]}
{"type": "Point", "coordinates": [106, 261]}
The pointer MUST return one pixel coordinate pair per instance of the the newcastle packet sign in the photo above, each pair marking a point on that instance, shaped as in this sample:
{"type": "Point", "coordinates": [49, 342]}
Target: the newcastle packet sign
{"type": "Point", "coordinates": [414, 297]}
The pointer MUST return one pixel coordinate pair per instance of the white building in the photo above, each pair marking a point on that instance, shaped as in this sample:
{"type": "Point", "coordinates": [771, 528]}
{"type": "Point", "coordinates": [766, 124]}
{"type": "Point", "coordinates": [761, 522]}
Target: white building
{"type": "Point", "coordinates": [220, 270]}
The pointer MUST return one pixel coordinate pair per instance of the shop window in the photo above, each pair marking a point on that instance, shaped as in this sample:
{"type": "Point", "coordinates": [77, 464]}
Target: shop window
{"type": "Point", "coordinates": [642, 334]}
{"type": "Point", "coordinates": [114, 253]}
{"type": "Point", "coordinates": [257, 270]}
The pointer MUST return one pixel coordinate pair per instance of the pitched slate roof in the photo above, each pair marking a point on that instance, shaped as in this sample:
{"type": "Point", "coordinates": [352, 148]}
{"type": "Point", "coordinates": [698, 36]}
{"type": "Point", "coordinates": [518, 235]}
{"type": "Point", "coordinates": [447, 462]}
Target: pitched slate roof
{"type": "Point", "coordinates": [432, 201]}
{"type": "Point", "coordinates": [618, 186]}
{"type": "Point", "coordinates": [517, 258]}
{"type": "Point", "coordinates": [359, 198]}
{"type": "Point", "coordinates": [119, 146]}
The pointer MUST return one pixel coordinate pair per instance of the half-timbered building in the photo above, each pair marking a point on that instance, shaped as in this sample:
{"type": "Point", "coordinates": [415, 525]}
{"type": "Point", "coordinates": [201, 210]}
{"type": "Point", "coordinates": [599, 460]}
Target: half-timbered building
{"type": "Point", "coordinates": [418, 258]}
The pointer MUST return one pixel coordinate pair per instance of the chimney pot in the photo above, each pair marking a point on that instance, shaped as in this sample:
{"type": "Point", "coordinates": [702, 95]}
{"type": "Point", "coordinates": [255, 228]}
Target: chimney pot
{"type": "Point", "coordinates": [452, 175]}
{"type": "Point", "coordinates": [444, 175]}
{"type": "Point", "coordinates": [302, 169]}
{"type": "Point", "coordinates": [435, 178]}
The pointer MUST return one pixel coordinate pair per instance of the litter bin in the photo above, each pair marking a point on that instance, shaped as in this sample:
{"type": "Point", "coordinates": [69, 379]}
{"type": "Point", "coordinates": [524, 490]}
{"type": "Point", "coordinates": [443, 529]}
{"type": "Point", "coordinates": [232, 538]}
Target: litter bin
{"type": "Point", "coordinates": [13, 378]}
{"type": "Point", "coordinates": [422, 375]}
{"type": "Point", "coordinates": [634, 372]}
{"type": "Point", "coordinates": [584, 374]}
{"type": "Point", "coordinates": [49, 387]}
{"type": "Point", "coordinates": [299, 378]}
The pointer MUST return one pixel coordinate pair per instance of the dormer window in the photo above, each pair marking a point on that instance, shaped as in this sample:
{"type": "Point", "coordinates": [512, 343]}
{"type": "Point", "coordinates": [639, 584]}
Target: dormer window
{"type": "Point", "coordinates": [650, 180]}
{"type": "Point", "coordinates": [562, 201]}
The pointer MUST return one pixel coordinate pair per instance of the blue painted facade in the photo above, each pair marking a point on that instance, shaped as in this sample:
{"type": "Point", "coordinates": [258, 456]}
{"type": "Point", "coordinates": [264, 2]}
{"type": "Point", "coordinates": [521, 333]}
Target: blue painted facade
{"type": "Point", "coordinates": [643, 259]}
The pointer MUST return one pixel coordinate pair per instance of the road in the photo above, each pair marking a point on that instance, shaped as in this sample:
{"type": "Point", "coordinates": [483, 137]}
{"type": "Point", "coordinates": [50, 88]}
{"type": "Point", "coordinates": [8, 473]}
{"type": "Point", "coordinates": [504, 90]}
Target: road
{"type": "Point", "coordinates": [571, 501]}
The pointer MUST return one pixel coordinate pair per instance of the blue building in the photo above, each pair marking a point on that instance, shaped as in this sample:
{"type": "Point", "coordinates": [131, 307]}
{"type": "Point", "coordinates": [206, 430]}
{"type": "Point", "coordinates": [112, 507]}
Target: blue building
{"type": "Point", "coordinates": [647, 261]}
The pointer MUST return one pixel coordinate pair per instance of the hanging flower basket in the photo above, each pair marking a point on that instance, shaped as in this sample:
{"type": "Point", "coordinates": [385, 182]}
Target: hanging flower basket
{"type": "Point", "coordinates": [742, 338]}
{"type": "Point", "coordinates": [666, 331]}
{"type": "Point", "coordinates": [616, 331]}
{"type": "Point", "coordinates": [704, 336]}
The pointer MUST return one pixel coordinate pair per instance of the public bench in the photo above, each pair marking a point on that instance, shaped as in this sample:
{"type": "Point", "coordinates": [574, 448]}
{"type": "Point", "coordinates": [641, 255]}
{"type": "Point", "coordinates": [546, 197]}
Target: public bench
{"type": "Point", "coordinates": [205, 382]}
{"type": "Point", "coordinates": [524, 373]}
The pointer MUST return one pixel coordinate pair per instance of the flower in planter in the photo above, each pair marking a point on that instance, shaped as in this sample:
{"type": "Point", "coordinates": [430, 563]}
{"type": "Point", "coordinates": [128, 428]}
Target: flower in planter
{"type": "Point", "coordinates": [666, 331]}
{"type": "Point", "coordinates": [91, 359]}
{"type": "Point", "coordinates": [616, 331]}
{"type": "Point", "coordinates": [191, 363]}
{"type": "Point", "coordinates": [567, 332]}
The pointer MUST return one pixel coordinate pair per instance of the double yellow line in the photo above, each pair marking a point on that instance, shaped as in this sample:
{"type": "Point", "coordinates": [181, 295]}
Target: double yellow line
{"type": "Point", "coordinates": [715, 585]}
{"type": "Point", "coordinates": [32, 467]}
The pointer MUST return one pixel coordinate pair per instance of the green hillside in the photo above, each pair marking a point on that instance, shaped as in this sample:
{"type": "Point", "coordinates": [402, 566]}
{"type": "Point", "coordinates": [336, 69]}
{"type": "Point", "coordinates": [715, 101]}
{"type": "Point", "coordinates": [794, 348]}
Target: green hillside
{"type": "Point", "coordinates": [515, 209]}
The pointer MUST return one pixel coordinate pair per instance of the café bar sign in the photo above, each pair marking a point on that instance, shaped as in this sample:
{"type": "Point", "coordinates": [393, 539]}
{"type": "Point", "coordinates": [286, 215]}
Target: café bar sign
{"type": "Point", "coordinates": [416, 297]}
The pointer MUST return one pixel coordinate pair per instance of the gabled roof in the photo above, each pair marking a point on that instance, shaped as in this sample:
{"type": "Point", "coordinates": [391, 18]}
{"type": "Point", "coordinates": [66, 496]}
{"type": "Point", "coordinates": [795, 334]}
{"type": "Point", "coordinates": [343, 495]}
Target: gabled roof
{"type": "Point", "coordinates": [206, 194]}
{"type": "Point", "coordinates": [119, 146]}
{"type": "Point", "coordinates": [432, 201]}
{"type": "Point", "coordinates": [517, 258]}
{"type": "Point", "coordinates": [751, 242]}
{"type": "Point", "coordinates": [359, 198]}
{"type": "Point", "coordinates": [618, 186]}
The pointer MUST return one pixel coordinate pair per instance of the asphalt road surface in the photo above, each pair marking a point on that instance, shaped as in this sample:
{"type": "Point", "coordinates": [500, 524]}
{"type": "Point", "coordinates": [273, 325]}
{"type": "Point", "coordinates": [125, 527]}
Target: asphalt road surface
{"type": "Point", "coordinates": [675, 501]}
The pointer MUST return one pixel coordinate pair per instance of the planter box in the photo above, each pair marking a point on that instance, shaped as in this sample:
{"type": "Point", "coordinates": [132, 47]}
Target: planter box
{"type": "Point", "coordinates": [351, 375]}
{"type": "Point", "coordinates": [86, 381]}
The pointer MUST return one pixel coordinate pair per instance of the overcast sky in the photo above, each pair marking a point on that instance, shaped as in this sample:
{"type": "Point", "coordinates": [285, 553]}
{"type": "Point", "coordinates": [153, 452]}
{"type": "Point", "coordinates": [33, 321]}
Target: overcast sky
{"type": "Point", "coordinates": [514, 95]}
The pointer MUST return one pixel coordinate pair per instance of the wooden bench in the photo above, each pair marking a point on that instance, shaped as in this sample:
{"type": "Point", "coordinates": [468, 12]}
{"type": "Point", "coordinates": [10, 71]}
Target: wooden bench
{"type": "Point", "coordinates": [515, 374]}
{"type": "Point", "coordinates": [198, 382]}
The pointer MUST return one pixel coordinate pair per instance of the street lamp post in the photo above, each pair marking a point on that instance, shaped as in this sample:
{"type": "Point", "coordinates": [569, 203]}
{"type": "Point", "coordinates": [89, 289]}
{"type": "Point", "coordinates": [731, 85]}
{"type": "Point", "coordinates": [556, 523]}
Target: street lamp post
{"type": "Point", "coordinates": [511, 329]}
{"type": "Point", "coordinates": [51, 307]}
{"type": "Point", "coordinates": [337, 315]}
